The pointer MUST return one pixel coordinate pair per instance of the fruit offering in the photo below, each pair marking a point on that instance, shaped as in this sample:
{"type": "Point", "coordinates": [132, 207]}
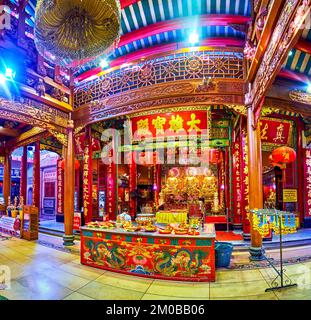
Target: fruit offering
{"type": "Point", "coordinates": [107, 225]}
{"type": "Point", "coordinates": [101, 225]}
{"type": "Point", "coordinates": [193, 232]}
{"type": "Point", "coordinates": [167, 230]}
{"type": "Point", "coordinates": [127, 224]}
{"type": "Point", "coordinates": [181, 229]}
{"type": "Point", "coordinates": [130, 229]}
{"type": "Point", "coordinates": [150, 228]}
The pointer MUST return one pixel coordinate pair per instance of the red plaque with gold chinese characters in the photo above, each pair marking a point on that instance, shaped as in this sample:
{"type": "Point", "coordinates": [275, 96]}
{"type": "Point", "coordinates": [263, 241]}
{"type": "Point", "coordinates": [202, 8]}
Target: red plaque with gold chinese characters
{"type": "Point", "coordinates": [184, 122]}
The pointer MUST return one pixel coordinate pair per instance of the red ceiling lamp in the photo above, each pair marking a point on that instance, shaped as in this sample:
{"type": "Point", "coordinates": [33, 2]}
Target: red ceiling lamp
{"type": "Point", "coordinates": [275, 164]}
{"type": "Point", "coordinates": [77, 164]}
{"type": "Point", "coordinates": [283, 155]}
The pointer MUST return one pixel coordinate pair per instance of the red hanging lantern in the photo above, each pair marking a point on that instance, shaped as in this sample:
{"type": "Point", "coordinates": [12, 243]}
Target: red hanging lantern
{"type": "Point", "coordinates": [275, 164]}
{"type": "Point", "coordinates": [77, 164]}
{"type": "Point", "coordinates": [284, 155]}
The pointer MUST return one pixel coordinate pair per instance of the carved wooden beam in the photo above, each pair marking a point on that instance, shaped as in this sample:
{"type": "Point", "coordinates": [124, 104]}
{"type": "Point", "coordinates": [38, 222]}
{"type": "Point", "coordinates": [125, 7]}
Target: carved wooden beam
{"type": "Point", "coordinates": [43, 117]}
{"type": "Point", "coordinates": [9, 132]}
{"type": "Point", "coordinates": [304, 46]}
{"type": "Point", "coordinates": [284, 36]}
{"type": "Point", "coordinates": [178, 93]}
{"type": "Point", "coordinates": [264, 39]}
{"type": "Point", "coordinates": [28, 137]}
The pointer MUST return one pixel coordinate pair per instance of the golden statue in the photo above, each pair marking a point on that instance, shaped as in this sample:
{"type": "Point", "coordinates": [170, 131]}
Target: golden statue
{"type": "Point", "coordinates": [171, 186]}
{"type": "Point", "coordinates": [271, 200]}
{"type": "Point", "coordinates": [209, 186]}
{"type": "Point", "coordinates": [191, 185]}
{"type": "Point", "coordinates": [272, 196]}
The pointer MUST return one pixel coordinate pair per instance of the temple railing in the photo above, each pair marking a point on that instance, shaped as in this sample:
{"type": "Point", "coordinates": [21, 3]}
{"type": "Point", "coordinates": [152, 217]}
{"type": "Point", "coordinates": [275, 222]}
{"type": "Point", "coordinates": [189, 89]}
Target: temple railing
{"type": "Point", "coordinates": [193, 65]}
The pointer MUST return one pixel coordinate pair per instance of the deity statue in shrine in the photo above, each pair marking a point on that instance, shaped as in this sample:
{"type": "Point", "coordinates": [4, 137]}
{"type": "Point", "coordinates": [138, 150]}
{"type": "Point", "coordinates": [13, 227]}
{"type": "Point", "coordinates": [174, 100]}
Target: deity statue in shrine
{"type": "Point", "coordinates": [271, 199]}
{"type": "Point", "coordinates": [209, 186]}
{"type": "Point", "coordinates": [272, 196]}
{"type": "Point", "coordinates": [171, 186]}
{"type": "Point", "coordinates": [191, 184]}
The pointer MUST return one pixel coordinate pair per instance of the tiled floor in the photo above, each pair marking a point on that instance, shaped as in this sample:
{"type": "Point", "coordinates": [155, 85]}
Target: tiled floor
{"type": "Point", "coordinates": [52, 224]}
{"type": "Point", "coordinates": [40, 272]}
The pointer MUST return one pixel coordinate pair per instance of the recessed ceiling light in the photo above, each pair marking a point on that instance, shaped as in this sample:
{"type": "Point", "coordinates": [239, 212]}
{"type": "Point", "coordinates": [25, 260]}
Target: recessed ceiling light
{"type": "Point", "coordinates": [9, 73]}
{"type": "Point", "coordinates": [104, 64]}
{"type": "Point", "coordinates": [194, 38]}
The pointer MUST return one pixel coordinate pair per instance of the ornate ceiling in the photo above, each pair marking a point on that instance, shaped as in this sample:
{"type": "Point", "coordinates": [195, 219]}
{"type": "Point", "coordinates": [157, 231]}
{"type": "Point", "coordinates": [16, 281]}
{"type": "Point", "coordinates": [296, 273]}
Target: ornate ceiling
{"type": "Point", "coordinates": [299, 61]}
{"type": "Point", "coordinates": [159, 26]}
{"type": "Point", "coordinates": [153, 23]}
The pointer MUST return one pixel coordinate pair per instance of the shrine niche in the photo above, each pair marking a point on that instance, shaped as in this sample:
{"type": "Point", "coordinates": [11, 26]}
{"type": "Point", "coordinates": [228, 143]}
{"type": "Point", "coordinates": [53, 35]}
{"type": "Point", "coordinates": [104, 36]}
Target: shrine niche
{"type": "Point", "coordinates": [182, 186]}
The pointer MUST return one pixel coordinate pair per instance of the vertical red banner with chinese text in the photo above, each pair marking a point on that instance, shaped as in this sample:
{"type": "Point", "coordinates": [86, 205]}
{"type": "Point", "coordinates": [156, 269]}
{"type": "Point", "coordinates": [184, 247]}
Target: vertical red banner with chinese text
{"type": "Point", "coordinates": [36, 177]}
{"type": "Point", "coordinates": [245, 182]}
{"type": "Point", "coordinates": [133, 184]}
{"type": "Point", "coordinates": [87, 182]}
{"type": "Point", "coordinates": [307, 175]}
{"type": "Point", "coordinates": [60, 188]}
{"type": "Point", "coordinates": [111, 188]}
{"type": "Point", "coordinates": [237, 184]}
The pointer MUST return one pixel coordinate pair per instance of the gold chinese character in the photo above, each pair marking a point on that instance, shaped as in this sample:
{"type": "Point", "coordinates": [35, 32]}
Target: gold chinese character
{"type": "Point", "coordinates": [285, 155]}
{"type": "Point", "coordinates": [279, 133]}
{"type": "Point", "coordinates": [193, 124]}
{"type": "Point", "coordinates": [264, 131]}
{"type": "Point", "coordinates": [143, 126]}
{"type": "Point", "coordinates": [159, 123]}
{"type": "Point", "coordinates": [176, 123]}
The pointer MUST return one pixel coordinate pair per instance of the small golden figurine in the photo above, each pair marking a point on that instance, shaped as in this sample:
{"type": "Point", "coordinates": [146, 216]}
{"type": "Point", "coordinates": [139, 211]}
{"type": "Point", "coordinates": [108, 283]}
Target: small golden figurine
{"type": "Point", "coordinates": [171, 186]}
{"type": "Point", "coordinates": [209, 186]}
{"type": "Point", "coordinates": [191, 185]}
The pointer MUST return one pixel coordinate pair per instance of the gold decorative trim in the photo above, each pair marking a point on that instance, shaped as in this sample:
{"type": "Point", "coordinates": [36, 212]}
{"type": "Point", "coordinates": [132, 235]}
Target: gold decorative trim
{"type": "Point", "coordinates": [300, 96]}
{"type": "Point", "coordinates": [170, 109]}
{"type": "Point", "coordinates": [266, 111]}
{"type": "Point", "coordinates": [240, 109]}
{"type": "Point", "coordinates": [62, 138]}
{"type": "Point", "coordinates": [23, 112]}
{"type": "Point", "coordinates": [50, 148]}
{"type": "Point", "coordinates": [78, 129]}
{"type": "Point", "coordinates": [27, 138]}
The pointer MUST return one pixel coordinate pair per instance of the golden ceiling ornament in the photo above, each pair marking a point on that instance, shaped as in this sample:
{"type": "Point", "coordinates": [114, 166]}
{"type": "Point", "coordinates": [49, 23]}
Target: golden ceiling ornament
{"type": "Point", "coordinates": [266, 111]}
{"type": "Point", "coordinates": [240, 109]}
{"type": "Point", "coordinates": [69, 31]}
{"type": "Point", "coordinates": [60, 137]}
{"type": "Point", "coordinates": [300, 96]}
